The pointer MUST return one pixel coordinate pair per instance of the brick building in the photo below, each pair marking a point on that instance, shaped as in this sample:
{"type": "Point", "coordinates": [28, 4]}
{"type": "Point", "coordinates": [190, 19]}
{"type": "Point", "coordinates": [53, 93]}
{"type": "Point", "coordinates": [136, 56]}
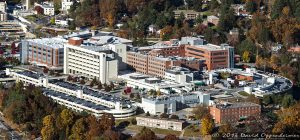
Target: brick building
{"type": "Point", "coordinates": [153, 63]}
{"type": "Point", "coordinates": [190, 52]}
{"type": "Point", "coordinates": [234, 112]}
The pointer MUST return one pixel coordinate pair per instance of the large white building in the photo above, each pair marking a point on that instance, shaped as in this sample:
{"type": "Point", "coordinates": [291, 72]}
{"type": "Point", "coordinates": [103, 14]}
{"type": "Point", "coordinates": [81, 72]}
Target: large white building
{"type": "Point", "coordinates": [77, 97]}
{"type": "Point", "coordinates": [66, 5]}
{"type": "Point", "coordinates": [141, 81]}
{"type": "Point", "coordinates": [179, 75]}
{"type": "Point", "coordinates": [172, 103]}
{"type": "Point", "coordinates": [89, 61]}
{"type": "Point", "coordinates": [3, 14]}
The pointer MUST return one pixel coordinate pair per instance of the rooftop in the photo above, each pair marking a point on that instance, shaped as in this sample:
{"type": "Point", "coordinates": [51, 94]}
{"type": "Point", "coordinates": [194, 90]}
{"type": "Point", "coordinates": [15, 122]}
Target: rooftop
{"type": "Point", "coordinates": [55, 42]}
{"type": "Point", "coordinates": [236, 105]}
{"type": "Point", "coordinates": [75, 100]}
{"type": "Point", "coordinates": [31, 74]}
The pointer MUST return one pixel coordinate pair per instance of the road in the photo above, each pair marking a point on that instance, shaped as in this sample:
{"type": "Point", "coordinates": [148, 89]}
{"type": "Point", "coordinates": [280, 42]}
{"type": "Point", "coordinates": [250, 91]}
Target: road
{"type": "Point", "coordinates": [12, 133]}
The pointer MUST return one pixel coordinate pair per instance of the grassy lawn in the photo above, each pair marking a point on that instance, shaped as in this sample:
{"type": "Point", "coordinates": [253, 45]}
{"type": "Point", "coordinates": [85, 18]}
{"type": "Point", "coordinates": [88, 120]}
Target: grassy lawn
{"type": "Point", "coordinates": [192, 131]}
{"type": "Point", "coordinates": [243, 93]}
{"type": "Point", "coordinates": [155, 130]}
{"type": "Point", "coordinates": [31, 17]}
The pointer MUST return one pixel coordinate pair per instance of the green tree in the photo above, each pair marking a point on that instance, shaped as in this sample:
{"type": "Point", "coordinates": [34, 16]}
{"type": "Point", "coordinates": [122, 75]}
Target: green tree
{"type": "Point", "coordinates": [227, 18]}
{"type": "Point", "coordinates": [52, 21]}
{"type": "Point", "coordinates": [251, 6]}
{"type": "Point", "coordinates": [267, 99]}
{"type": "Point", "coordinates": [277, 8]}
{"type": "Point", "coordinates": [214, 4]}
{"type": "Point", "coordinates": [287, 101]}
{"type": "Point", "coordinates": [194, 4]}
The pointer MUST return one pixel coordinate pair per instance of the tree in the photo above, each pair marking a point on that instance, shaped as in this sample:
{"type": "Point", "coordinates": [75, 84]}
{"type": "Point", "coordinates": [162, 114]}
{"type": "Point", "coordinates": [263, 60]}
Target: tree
{"type": "Point", "coordinates": [246, 57]}
{"type": "Point", "coordinates": [207, 125]}
{"type": "Point", "coordinates": [45, 70]}
{"type": "Point", "coordinates": [287, 101]}
{"type": "Point", "coordinates": [226, 128]}
{"type": "Point", "coordinates": [147, 114]}
{"type": "Point", "coordinates": [171, 137]}
{"type": "Point", "coordinates": [195, 4]}
{"type": "Point", "coordinates": [214, 4]}
{"type": "Point", "coordinates": [94, 129]}
{"type": "Point", "coordinates": [70, 78]}
{"type": "Point", "coordinates": [164, 115]}
{"type": "Point", "coordinates": [227, 18]}
{"type": "Point", "coordinates": [67, 117]}
{"type": "Point", "coordinates": [288, 121]}
{"type": "Point", "coordinates": [200, 111]}
{"type": "Point", "coordinates": [107, 121]}
{"type": "Point", "coordinates": [145, 134]}
{"type": "Point", "coordinates": [112, 85]}
{"type": "Point", "coordinates": [251, 6]}
{"type": "Point", "coordinates": [99, 85]}
{"type": "Point", "coordinates": [39, 10]}
{"type": "Point", "coordinates": [247, 45]}
{"type": "Point", "coordinates": [133, 121]}
{"type": "Point", "coordinates": [52, 21]}
{"type": "Point", "coordinates": [277, 8]}
{"type": "Point", "coordinates": [166, 32]}
{"type": "Point", "coordinates": [82, 81]}
{"type": "Point", "coordinates": [48, 130]}
{"type": "Point", "coordinates": [51, 72]}
{"type": "Point", "coordinates": [174, 117]}
{"type": "Point", "coordinates": [267, 99]}
{"type": "Point", "coordinates": [78, 130]}
{"type": "Point", "coordinates": [209, 34]}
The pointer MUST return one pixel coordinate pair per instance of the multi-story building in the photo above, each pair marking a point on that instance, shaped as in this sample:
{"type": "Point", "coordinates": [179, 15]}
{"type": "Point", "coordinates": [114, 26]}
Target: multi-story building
{"type": "Point", "coordinates": [162, 123]}
{"type": "Point", "coordinates": [3, 6]}
{"type": "Point", "coordinates": [171, 103]}
{"type": "Point", "coordinates": [179, 75]}
{"type": "Point", "coordinates": [213, 20]}
{"type": "Point", "coordinates": [233, 112]}
{"type": "Point", "coordinates": [90, 61]}
{"type": "Point", "coordinates": [3, 14]}
{"type": "Point", "coordinates": [47, 52]}
{"type": "Point", "coordinates": [153, 63]}
{"type": "Point", "coordinates": [191, 52]}
{"type": "Point", "coordinates": [215, 56]}
{"type": "Point", "coordinates": [146, 82]}
{"type": "Point", "coordinates": [48, 8]}
{"type": "Point", "coordinates": [188, 14]}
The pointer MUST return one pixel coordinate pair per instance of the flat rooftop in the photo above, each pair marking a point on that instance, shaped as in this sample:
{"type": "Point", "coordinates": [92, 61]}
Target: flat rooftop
{"type": "Point", "coordinates": [237, 105]}
{"type": "Point", "coordinates": [75, 100]}
{"type": "Point", "coordinates": [91, 92]}
{"type": "Point", "coordinates": [31, 74]}
{"type": "Point", "coordinates": [108, 39]}
{"type": "Point", "coordinates": [55, 42]}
